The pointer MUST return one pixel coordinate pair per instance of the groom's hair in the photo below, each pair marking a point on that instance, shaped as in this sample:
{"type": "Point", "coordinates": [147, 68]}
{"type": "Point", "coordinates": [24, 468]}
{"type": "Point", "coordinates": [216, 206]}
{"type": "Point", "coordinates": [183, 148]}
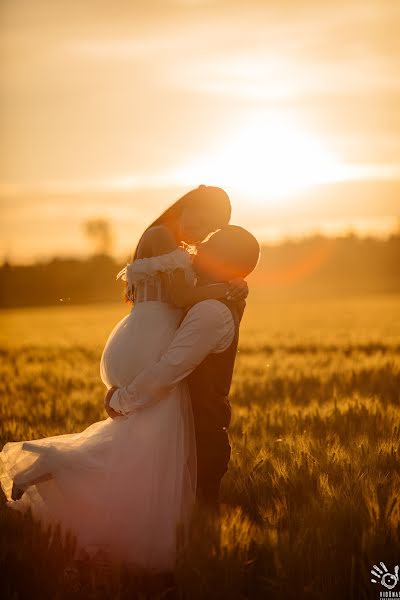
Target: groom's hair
{"type": "Point", "coordinates": [229, 253]}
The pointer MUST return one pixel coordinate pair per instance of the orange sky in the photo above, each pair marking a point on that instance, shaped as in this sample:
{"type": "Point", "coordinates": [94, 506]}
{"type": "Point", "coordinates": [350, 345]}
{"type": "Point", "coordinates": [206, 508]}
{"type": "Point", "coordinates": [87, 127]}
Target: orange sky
{"type": "Point", "coordinates": [117, 108]}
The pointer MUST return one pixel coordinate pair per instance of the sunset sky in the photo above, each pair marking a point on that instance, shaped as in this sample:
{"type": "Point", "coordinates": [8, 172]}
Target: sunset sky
{"type": "Point", "coordinates": [115, 109]}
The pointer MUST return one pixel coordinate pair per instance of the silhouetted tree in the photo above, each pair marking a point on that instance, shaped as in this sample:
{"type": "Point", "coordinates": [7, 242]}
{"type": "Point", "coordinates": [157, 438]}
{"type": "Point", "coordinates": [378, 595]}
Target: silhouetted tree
{"type": "Point", "coordinates": [99, 231]}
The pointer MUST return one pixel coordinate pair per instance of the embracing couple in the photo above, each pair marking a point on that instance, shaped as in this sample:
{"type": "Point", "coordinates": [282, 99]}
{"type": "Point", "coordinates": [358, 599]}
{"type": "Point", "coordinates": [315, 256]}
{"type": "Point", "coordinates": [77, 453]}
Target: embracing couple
{"type": "Point", "coordinates": [128, 484]}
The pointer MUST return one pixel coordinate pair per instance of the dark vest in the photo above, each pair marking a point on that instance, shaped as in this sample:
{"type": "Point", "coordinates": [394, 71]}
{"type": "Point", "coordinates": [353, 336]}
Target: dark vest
{"type": "Point", "coordinates": [210, 382]}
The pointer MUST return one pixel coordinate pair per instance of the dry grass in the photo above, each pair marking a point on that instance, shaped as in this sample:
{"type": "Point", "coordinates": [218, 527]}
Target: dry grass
{"type": "Point", "coordinates": [312, 496]}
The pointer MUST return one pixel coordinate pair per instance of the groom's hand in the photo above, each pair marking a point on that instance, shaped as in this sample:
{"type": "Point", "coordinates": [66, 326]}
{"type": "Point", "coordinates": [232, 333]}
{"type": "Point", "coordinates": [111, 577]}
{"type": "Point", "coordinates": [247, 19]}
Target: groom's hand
{"type": "Point", "coordinates": [110, 411]}
{"type": "Point", "coordinates": [238, 290]}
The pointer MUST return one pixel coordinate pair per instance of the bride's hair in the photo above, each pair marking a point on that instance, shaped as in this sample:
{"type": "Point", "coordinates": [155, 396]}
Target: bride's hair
{"type": "Point", "coordinates": [214, 198]}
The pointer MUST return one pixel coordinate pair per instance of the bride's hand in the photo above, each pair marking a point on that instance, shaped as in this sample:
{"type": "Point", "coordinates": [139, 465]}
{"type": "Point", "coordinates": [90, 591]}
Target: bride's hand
{"type": "Point", "coordinates": [110, 411]}
{"type": "Point", "coordinates": [238, 290]}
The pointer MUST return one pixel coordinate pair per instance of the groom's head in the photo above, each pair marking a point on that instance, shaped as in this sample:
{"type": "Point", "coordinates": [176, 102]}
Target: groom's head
{"type": "Point", "coordinates": [229, 253]}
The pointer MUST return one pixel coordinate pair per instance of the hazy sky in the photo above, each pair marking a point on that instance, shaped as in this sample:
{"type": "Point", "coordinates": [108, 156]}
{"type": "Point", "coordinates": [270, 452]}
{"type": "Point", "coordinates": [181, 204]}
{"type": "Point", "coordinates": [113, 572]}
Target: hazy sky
{"type": "Point", "coordinates": [120, 107]}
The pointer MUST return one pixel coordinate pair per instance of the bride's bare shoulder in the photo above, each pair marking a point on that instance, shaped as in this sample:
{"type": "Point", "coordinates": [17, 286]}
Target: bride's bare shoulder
{"type": "Point", "coordinates": [155, 241]}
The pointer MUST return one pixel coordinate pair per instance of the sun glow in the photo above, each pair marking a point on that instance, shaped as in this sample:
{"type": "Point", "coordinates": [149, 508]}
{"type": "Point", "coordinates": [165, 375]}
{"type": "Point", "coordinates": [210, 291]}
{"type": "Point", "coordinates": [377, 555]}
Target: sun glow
{"type": "Point", "coordinates": [266, 158]}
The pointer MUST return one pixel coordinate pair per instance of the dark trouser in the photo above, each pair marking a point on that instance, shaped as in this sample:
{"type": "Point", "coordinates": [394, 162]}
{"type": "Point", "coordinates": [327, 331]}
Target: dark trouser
{"type": "Point", "coordinates": [213, 454]}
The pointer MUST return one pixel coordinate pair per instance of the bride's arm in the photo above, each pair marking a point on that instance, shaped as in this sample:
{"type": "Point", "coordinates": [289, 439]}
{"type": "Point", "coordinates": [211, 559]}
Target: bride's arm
{"type": "Point", "coordinates": [159, 240]}
{"type": "Point", "coordinates": [183, 294]}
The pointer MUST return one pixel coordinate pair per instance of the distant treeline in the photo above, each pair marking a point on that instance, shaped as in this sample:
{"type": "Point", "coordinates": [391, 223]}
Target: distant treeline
{"type": "Point", "coordinates": [314, 265]}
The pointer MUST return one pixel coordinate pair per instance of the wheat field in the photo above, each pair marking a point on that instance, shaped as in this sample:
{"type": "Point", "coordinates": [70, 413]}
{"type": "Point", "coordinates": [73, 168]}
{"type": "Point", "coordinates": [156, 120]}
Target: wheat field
{"type": "Point", "coordinates": [311, 500]}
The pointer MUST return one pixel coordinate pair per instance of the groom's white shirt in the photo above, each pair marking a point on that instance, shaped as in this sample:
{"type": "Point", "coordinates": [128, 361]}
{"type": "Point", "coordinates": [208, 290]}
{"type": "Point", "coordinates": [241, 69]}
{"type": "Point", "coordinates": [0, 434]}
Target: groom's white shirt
{"type": "Point", "coordinates": [208, 327]}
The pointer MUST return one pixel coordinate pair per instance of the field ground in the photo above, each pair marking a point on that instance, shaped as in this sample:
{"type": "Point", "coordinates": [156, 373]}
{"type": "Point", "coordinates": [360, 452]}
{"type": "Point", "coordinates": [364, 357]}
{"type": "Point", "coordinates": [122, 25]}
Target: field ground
{"type": "Point", "coordinates": [311, 500]}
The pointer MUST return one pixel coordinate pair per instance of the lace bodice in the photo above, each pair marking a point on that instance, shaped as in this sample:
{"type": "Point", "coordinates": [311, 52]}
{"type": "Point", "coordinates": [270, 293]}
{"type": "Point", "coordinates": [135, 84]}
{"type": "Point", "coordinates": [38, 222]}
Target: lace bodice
{"type": "Point", "coordinates": [148, 277]}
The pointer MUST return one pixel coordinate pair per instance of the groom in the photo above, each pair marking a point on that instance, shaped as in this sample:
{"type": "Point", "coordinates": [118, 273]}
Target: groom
{"type": "Point", "coordinates": [203, 350]}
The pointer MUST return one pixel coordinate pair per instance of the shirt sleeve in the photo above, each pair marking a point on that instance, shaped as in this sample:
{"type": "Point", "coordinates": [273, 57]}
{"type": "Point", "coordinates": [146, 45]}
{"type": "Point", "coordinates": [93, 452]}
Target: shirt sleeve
{"type": "Point", "coordinates": [207, 328]}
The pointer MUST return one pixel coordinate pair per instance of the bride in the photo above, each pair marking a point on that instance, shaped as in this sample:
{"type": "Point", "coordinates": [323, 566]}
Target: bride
{"type": "Point", "coordinates": [126, 486]}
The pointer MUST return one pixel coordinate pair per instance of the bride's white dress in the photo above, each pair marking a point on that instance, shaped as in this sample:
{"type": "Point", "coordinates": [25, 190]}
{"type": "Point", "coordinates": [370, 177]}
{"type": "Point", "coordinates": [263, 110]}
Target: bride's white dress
{"type": "Point", "coordinates": [128, 484]}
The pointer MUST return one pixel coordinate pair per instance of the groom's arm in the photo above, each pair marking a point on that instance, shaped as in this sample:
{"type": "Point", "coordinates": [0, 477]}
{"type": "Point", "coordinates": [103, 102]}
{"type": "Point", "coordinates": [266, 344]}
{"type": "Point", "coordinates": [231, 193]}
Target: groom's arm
{"type": "Point", "coordinates": [208, 327]}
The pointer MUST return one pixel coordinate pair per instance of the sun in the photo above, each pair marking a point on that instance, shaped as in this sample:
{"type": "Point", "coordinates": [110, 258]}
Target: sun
{"type": "Point", "coordinates": [267, 157]}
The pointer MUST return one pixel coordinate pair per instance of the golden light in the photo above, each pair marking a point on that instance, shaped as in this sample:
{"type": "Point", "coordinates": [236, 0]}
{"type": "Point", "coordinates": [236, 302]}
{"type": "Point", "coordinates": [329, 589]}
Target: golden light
{"type": "Point", "coordinates": [269, 156]}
